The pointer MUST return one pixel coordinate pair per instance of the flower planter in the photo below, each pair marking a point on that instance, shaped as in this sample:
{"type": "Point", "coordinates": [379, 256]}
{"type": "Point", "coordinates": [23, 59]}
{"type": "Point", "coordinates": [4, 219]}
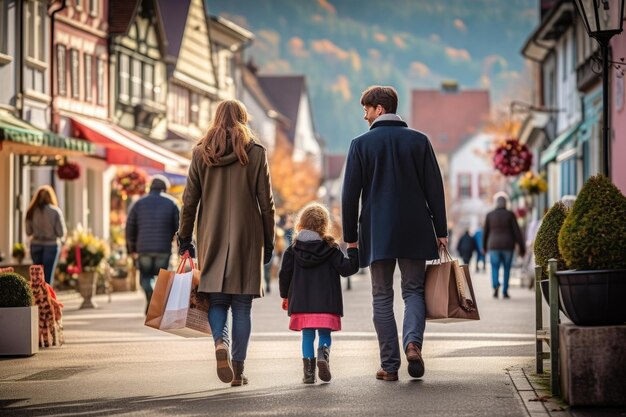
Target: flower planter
{"type": "Point", "coordinates": [545, 289]}
{"type": "Point", "coordinates": [594, 298]}
{"type": "Point", "coordinates": [19, 327]}
{"type": "Point", "coordinates": [87, 288]}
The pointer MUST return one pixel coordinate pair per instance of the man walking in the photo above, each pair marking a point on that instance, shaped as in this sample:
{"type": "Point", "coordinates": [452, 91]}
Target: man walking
{"type": "Point", "coordinates": [150, 229]}
{"type": "Point", "coordinates": [393, 171]}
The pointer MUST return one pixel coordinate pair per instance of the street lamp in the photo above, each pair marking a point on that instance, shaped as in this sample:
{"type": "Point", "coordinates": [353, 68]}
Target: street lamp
{"type": "Point", "coordinates": [603, 19]}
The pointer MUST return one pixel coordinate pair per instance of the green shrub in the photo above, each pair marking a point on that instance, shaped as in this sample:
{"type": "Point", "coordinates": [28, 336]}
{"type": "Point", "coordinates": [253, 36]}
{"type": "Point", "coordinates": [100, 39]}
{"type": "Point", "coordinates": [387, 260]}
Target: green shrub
{"type": "Point", "coordinates": [593, 236]}
{"type": "Point", "coordinates": [14, 291]}
{"type": "Point", "coordinates": [547, 240]}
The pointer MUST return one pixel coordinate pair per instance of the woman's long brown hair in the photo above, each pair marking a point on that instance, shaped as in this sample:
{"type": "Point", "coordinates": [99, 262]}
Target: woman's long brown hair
{"type": "Point", "coordinates": [44, 195]}
{"type": "Point", "coordinates": [315, 217]}
{"type": "Point", "coordinates": [228, 131]}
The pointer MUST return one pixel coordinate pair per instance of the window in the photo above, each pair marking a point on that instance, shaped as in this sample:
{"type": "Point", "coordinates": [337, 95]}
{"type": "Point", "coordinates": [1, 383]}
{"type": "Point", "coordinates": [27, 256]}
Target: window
{"type": "Point", "coordinates": [148, 81]}
{"type": "Point", "coordinates": [135, 80]}
{"type": "Point", "coordinates": [3, 27]}
{"type": "Point", "coordinates": [100, 81]}
{"type": "Point", "coordinates": [88, 77]}
{"type": "Point", "coordinates": [569, 176]}
{"type": "Point", "coordinates": [36, 23]}
{"type": "Point", "coordinates": [124, 78]}
{"type": "Point", "coordinates": [93, 8]}
{"type": "Point", "coordinates": [564, 58]}
{"type": "Point", "coordinates": [61, 71]}
{"type": "Point", "coordinates": [79, 4]}
{"type": "Point", "coordinates": [74, 73]}
{"type": "Point", "coordinates": [194, 109]}
{"type": "Point", "coordinates": [179, 102]}
{"type": "Point", "coordinates": [465, 186]}
{"type": "Point", "coordinates": [574, 51]}
{"type": "Point", "coordinates": [484, 184]}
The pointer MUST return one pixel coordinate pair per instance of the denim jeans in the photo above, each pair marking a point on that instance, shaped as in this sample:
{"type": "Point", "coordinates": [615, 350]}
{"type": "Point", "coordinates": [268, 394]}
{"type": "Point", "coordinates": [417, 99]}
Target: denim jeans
{"type": "Point", "coordinates": [149, 265]}
{"type": "Point", "coordinates": [497, 258]}
{"type": "Point", "coordinates": [308, 340]}
{"type": "Point", "coordinates": [46, 255]}
{"type": "Point", "coordinates": [241, 305]}
{"type": "Point", "coordinates": [412, 275]}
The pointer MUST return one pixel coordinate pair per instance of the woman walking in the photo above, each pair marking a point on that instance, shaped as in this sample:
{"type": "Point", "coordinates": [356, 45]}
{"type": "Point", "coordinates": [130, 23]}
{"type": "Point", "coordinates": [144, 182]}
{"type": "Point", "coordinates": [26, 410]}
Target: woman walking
{"type": "Point", "coordinates": [229, 181]}
{"type": "Point", "coordinates": [46, 228]}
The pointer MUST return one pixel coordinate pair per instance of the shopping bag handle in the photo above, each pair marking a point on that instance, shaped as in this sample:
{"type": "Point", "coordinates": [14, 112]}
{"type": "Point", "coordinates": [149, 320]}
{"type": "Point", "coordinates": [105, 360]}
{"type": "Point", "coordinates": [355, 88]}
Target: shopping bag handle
{"type": "Point", "coordinates": [183, 260]}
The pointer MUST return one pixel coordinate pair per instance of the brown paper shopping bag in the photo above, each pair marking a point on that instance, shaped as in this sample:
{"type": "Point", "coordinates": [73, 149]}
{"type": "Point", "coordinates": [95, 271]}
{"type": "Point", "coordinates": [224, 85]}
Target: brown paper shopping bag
{"type": "Point", "coordinates": [449, 294]}
{"type": "Point", "coordinates": [159, 299]}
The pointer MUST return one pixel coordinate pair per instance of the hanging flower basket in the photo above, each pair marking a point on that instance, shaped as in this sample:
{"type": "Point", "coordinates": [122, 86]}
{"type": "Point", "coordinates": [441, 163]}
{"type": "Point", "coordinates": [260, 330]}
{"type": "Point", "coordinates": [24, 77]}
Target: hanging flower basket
{"type": "Point", "coordinates": [532, 183]}
{"type": "Point", "coordinates": [512, 158]}
{"type": "Point", "coordinates": [68, 171]}
{"type": "Point", "coordinates": [131, 182]}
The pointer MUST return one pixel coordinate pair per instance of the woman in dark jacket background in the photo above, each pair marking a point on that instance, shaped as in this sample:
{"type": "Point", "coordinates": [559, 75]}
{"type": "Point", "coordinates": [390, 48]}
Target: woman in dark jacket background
{"type": "Point", "coordinates": [500, 236]}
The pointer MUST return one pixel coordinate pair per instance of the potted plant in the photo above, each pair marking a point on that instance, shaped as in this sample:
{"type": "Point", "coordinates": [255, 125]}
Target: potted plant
{"type": "Point", "coordinates": [592, 242]}
{"type": "Point", "coordinates": [546, 245]}
{"type": "Point", "coordinates": [19, 318]}
{"type": "Point", "coordinates": [18, 252]}
{"type": "Point", "coordinates": [85, 253]}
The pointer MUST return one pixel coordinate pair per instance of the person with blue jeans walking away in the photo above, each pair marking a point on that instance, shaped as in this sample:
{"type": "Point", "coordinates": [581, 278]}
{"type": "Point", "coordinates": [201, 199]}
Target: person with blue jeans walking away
{"type": "Point", "coordinates": [393, 176]}
{"type": "Point", "coordinates": [46, 228]}
{"type": "Point", "coordinates": [500, 236]}
{"type": "Point", "coordinates": [229, 191]}
{"type": "Point", "coordinates": [480, 254]}
{"type": "Point", "coordinates": [310, 286]}
{"type": "Point", "coordinates": [150, 229]}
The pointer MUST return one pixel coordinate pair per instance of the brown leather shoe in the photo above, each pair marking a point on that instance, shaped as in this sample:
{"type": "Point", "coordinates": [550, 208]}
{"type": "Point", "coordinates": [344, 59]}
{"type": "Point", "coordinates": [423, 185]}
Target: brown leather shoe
{"type": "Point", "coordinates": [416, 363]}
{"type": "Point", "coordinates": [239, 378]}
{"type": "Point", "coordinates": [386, 376]}
{"type": "Point", "coordinates": [224, 366]}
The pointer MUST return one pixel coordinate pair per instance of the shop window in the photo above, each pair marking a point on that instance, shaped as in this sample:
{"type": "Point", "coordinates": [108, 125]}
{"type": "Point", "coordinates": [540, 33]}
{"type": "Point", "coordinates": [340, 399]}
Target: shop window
{"type": "Point", "coordinates": [465, 186]}
{"type": "Point", "coordinates": [569, 179]}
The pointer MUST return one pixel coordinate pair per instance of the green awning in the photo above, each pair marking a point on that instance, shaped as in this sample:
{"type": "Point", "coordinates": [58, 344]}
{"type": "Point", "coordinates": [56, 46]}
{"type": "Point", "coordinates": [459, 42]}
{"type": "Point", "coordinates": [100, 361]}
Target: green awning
{"type": "Point", "coordinates": [15, 130]}
{"type": "Point", "coordinates": [552, 150]}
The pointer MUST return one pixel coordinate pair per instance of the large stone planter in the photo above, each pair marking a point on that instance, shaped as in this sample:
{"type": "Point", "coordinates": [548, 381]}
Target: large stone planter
{"type": "Point", "coordinates": [594, 298]}
{"type": "Point", "coordinates": [19, 327]}
{"type": "Point", "coordinates": [87, 288]}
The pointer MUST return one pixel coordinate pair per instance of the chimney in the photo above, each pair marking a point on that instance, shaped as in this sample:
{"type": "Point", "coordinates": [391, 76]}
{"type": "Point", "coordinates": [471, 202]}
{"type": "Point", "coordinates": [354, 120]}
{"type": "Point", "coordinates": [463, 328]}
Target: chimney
{"type": "Point", "coordinates": [450, 87]}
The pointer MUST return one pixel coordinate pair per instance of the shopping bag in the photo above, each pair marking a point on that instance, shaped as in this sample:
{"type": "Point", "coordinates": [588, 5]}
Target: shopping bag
{"type": "Point", "coordinates": [158, 301]}
{"type": "Point", "coordinates": [448, 291]}
{"type": "Point", "coordinates": [184, 311]}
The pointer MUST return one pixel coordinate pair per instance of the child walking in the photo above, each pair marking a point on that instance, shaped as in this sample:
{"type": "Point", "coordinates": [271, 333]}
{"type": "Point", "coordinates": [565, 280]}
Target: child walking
{"type": "Point", "coordinates": [310, 286]}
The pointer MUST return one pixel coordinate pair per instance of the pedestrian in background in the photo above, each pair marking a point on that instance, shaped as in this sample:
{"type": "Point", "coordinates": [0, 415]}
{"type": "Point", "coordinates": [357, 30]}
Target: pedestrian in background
{"type": "Point", "coordinates": [501, 235]}
{"type": "Point", "coordinates": [229, 179]}
{"type": "Point", "coordinates": [392, 172]}
{"type": "Point", "coordinates": [466, 247]}
{"type": "Point", "coordinates": [150, 228]}
{"type": "Point", "coordinates": [46, 228]}
{"type": "Point", "coordinates": [480, 253]}
{"type": "Point", "coordinates": [310, 286]}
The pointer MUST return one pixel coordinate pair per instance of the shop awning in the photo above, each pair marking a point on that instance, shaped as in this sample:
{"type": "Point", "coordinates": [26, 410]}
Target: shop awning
{"type": "Point", "coordinates": [127, 148]}
{"type": "Point", "coordinates": [563, 139]}
{"type": "Point", "coordinates": [22, 137]}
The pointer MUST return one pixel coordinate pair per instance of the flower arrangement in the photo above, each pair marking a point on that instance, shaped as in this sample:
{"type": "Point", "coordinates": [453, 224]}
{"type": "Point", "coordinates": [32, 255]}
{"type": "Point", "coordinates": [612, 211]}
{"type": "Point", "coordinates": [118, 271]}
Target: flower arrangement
{"type": "Point", "coordinates": [131, 182]}
{"type": "Point", "coordinates": [84, 251]}
{"type": "Point", "coordinates": [533, 183]}
{"type": "Point", "coordinates": [521, 212]}
{"type": "Point", "coordinates": [68, 171]}
{"type": "Point", "coordinates": [18, 251]}
{"type": "Point", "coordinates": [512, 157]}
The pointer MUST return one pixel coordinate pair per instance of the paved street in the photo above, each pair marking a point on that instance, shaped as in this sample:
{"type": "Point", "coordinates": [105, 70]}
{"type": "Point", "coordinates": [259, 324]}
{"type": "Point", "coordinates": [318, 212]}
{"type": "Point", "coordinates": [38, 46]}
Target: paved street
{"type": "Point", "coordinates": [112, 365]}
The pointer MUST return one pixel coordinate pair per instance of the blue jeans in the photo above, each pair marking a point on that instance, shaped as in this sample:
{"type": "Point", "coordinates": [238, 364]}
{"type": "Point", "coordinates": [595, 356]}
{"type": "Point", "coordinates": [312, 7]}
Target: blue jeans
{"type": "Point", "coordinates": [497, 258]}
{"type": "Point", "coordinates": [412, 273]}
{"type": "Point", "coordinates": [241, 305]}
{"type": "Point", "coordinates": [46, 255]}
{"type": "Point", "coordinates": [149, 265]}
{"type": "Point", "coordinates": [308, 340]}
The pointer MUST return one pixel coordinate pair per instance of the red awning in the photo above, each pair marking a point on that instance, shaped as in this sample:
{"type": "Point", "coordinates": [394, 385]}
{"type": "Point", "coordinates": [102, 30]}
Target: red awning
{"type": "Point", "coordinates": [126, 148]}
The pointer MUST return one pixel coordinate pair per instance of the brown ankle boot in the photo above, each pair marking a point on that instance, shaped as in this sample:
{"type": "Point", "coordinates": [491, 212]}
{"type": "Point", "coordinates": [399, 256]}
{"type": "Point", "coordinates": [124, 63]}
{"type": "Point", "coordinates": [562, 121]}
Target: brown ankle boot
{"type": "Point", "coordinates": [239, 378]}
{"type": "Point", "coordinates": [309, 370]}
{"type": "Point", "coordinates": [224, 367]}
{"type": "Point", "coordinates": [323, 363]}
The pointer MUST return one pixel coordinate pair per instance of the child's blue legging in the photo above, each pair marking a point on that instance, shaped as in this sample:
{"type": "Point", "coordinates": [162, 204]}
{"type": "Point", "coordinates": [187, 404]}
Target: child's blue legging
{"type": "Point", "coordinates": [308, 339]}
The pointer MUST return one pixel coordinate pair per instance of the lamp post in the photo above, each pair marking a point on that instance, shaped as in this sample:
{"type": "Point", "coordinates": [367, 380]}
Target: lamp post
{"type": "Point", "coordinates": [603, 19]}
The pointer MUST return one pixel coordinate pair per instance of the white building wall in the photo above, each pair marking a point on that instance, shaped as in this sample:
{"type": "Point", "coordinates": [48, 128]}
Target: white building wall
{"type": "Point", "coordinates": [568, 99]}
{"type": "Point", "coordinates": [262, 125]}
{"type": "Point", "coordinates": [306, 145]}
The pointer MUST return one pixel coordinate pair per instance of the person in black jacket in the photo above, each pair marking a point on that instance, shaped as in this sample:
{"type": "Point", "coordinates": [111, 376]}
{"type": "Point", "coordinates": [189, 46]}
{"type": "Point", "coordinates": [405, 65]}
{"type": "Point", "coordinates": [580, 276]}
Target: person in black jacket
{"type": "Point", "coordinates": [393, 205]}
{"type": "Point", "coordinates": [150, 229]}
{"type": "Point", "coordinates": [310, 286]}
{"type": "Point", "coordinates": [466, 247]}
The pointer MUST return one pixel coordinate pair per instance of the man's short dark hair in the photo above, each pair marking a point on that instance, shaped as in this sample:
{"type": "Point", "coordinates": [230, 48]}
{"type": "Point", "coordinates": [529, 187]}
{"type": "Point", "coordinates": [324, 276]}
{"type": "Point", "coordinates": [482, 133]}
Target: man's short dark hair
{"type": "Point", "coordinates": [384, 95]}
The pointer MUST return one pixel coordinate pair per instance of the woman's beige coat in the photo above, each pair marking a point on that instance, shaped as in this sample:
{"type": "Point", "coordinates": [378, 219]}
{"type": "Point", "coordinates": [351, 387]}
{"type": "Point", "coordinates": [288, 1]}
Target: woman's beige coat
{"type": "Point", "coordinates": [235, 210]}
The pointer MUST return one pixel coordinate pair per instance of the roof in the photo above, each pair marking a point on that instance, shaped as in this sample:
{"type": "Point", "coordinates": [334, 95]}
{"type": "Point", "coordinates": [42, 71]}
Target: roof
{"type": "Point", "coordinates": [121, 13]}
{"type": "Point", "coordinates": [334, 165]}
{"type": "Point", "coordinates": [448, 119]}
{"type": "Point", "coordinates": [251, 83]}
{"type": "Point", "coordinates": [284, 91]}
{"type": "Point", "coordinates": [174, 25]}
{"type": "Point", "coordinates": [232, 28]}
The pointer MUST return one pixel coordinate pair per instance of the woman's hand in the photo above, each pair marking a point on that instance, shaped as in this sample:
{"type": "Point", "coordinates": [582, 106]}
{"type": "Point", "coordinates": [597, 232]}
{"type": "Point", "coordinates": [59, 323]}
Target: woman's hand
{"type": "Point", "coordinates": [285, 304]}
{"type": "Point", "coordinates": [186, 244]}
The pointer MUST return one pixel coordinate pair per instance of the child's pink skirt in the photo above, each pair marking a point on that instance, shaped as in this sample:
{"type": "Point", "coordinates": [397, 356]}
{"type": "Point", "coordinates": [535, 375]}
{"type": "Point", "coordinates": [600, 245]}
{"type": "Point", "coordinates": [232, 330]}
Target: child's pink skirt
{"type": "Point", "coordinates": [301, 321]}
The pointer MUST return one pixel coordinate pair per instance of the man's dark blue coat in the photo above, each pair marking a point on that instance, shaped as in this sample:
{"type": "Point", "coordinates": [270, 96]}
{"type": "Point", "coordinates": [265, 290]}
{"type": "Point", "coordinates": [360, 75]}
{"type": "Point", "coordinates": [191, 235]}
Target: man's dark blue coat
{"type": "Point", "coordinates": [393, 171]}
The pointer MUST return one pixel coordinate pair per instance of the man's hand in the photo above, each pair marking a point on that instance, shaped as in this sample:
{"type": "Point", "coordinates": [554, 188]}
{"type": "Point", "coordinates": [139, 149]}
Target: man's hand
{"type": "Point", "coordinates": [353, 245]}
{"type": "Point", "coordinates": [443, 241]}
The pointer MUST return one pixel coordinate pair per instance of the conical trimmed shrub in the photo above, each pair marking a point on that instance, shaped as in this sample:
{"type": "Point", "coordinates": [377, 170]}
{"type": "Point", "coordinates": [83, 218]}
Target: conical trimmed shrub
{"type": "Point", "coordinates": [593, 236]}
{"type": "Point", "coordinates": [14, 291]}
{"type": "Point", "coordinates": [547, 240]}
